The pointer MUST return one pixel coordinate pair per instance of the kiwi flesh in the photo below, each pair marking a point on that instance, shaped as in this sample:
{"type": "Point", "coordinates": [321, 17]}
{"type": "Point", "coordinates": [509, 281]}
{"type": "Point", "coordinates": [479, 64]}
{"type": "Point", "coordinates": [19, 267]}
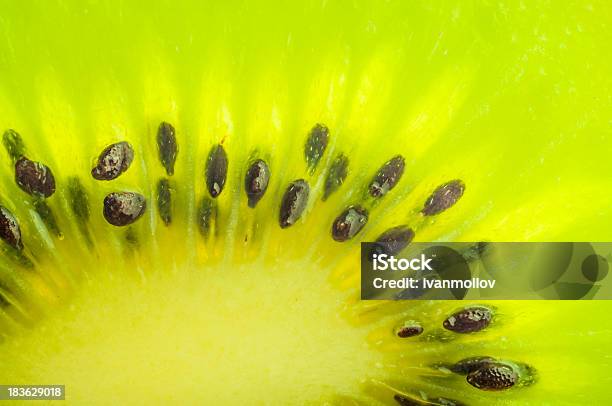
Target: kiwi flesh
{"type": "Point", "coordinates": [181, 211]}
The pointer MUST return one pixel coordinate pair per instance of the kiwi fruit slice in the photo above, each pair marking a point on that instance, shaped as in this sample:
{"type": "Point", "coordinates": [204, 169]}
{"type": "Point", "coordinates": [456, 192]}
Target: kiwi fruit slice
{"type": "Point", "coordinates": [184, 187]}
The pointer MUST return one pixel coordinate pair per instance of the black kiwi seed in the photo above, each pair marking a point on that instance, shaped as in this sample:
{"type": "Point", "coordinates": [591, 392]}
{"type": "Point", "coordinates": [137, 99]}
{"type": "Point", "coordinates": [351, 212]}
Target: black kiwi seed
{"type": "Point", "coordinates": [349, 223]}
{"type": "Point", "coordinates": [409, 331]}
{"type": "Point", "coordinates": [9, 229]}
{"type": "Point", "coordinates": [46, 215]}
{"type": "Point", "coordinates": [336, 175]}
{"type": "Point", "coordinates": [164, 201]}
{"type": "Point", "coordinates": [34, 178]}
{"type": "Point", "coordinates": [294, 202]}
{"type": "Point", "coordinates": [14, 144]}
{"type": "Point", "coordinates": [395, 239]}
{"type": "Point", "coordinates": [256, 181]}
{"type": "Point", "coordinates": [387, 176]}
{"type": "Point", "coordinates": [471, 364]}
{"type": "Point", "coordinates": [207, 214]}
{"type": "Point", "coordinates": [468, 320]}
{"type": "Point", "coordinates": [167, 145]}
{"type": "Point", "coordinates": [493, 377]}
{"type": "Point", "coordinates": [315, 146]}
{"type": "Point", "coordinates": [444, 197]}
{"type": "Point", "coordinates": [113, 161]}
{"type": "Point", "coordinates": [123, 208]}
{"type": "Point", "coordinates": [216, 170]}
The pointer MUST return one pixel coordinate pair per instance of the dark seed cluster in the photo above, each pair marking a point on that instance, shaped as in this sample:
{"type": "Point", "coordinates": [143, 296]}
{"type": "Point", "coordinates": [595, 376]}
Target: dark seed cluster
{"type": "Point", "coordinates": [123, 208]}
{"type": "Point", "coordinates": [444, 197]}
{"type": "Point", "coordinates": [9, 229]}
{"type": "Point", "coordinates": [168, 150]}
{"type": "Point", "coordinates": [34, 178]}
{"type": "Point", "coordinates": [315, 146]}
{"type": "Point", "coordinates": [469, 320]}
{"type": "Point", "coordinates": [113, 161]}
{"type": "Point", "coordinates": [293, 203]}
{"type": "Point", "coordinates": [256, 181]}
{"type": "Point", "coordinates": [216, 170]}
{"type": "Point", "coordinates": [120, 208]}
{"type": "Point", "coordinates": [387, 176]}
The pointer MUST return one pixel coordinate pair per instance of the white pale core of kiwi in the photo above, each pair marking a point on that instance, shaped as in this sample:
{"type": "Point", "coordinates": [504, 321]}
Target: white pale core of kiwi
{"type": "Point", "coordinates": [218, 336]}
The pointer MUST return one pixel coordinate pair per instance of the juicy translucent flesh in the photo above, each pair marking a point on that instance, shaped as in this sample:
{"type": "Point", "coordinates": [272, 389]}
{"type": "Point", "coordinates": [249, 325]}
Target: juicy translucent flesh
{"type": "Point", "coordinates": [513, 99]}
